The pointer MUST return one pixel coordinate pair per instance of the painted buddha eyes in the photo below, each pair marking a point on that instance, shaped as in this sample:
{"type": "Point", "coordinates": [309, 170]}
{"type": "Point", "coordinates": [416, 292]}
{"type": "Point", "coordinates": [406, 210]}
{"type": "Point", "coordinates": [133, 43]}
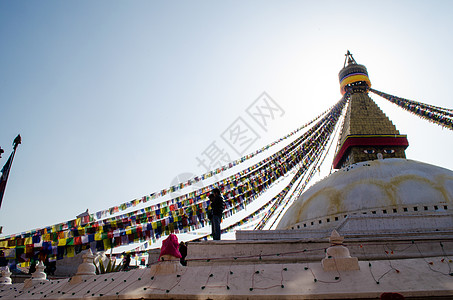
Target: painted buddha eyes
{"type": "Point", "coordinates": [386, 151]}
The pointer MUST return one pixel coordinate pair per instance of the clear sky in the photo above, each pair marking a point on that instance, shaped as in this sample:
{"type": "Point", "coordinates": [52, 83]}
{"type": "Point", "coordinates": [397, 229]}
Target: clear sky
{"type": "Point", "coordinates": [114, 99]}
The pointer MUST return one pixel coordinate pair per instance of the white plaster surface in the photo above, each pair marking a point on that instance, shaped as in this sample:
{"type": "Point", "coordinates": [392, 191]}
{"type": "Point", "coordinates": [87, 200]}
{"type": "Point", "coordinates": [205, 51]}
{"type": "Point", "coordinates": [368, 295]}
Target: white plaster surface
{"type": "Point", "coordinates": [373, 185]}
{"type": "Point", "coordinates": [271, 281]}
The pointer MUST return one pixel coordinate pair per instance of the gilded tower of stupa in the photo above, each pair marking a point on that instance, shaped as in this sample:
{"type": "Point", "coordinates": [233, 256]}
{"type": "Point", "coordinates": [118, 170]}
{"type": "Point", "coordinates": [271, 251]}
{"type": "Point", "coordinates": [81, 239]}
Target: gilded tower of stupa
{"type": "Point", "coordinates": [367, 132]}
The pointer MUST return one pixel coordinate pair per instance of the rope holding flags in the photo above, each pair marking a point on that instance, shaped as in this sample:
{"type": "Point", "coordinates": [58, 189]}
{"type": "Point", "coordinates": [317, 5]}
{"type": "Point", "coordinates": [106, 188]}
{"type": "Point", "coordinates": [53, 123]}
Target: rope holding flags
{"type": "Point", "coordinates": [112, 210]}
{"type": "Point", "coordinates": [435, 114]}
{"type": "Point", "coordinates": [182, 214]}
{"type": "Point", "coordinates": [187, 202]}
{"type": "Point", "coordinates": [317, 148]}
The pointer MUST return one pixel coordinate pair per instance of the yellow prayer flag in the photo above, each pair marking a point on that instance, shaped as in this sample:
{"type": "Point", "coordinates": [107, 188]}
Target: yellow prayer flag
{"type": "Point", "coordinates": [70, 251]}
{"type": "Point", "coordinates": [98, 236]}
{"type": "Point", "coordinates": [107, 244]}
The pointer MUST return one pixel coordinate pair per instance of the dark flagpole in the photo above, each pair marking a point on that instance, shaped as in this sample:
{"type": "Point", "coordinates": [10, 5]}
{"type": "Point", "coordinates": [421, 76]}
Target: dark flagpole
{"type": "Point", "coordinates": [7, 167]}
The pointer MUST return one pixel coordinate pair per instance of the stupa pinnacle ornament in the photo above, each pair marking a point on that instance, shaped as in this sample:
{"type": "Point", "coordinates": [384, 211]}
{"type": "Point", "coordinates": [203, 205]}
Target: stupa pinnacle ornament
{"type": "Point", "coordinates": [367, 133]}
{"type": "Point", "coordinates": [353, 77]}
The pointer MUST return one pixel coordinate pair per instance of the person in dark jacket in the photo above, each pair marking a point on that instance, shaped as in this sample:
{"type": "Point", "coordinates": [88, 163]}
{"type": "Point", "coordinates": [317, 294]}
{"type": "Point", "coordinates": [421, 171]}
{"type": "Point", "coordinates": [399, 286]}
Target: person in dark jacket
{"type": "Point", "coordinates": [217, 206]}
{"type": "Point", "coordinates": [183, 251]}
{"type": "Point", "coordinates": [32, 268]}
{"type": "Point", "coordinates": [126, 261]}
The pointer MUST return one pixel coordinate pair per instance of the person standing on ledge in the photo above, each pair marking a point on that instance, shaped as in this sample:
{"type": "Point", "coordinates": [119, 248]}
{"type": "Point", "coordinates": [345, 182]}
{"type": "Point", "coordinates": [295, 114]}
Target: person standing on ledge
{"type": "Point", "coordinates": [217, 206]}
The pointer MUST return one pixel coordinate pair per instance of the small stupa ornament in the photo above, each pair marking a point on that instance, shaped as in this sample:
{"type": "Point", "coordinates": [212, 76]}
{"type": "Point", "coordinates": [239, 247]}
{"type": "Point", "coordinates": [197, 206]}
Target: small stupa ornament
{"type": "Point", "coordinates": [353, 77]}
{"type": "Point", "coordinates": [338, 257]}
{"type": "Point", "coordinates": [5, 277]}
{"type": "Point", "coordinates": [86, 269]}
{"type": "Point", "coordinates": [37, 277]}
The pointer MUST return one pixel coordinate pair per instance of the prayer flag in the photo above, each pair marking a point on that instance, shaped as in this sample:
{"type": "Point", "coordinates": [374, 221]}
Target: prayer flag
{"type": "Point", "coordinates": [98, 236]}
{"type": "Point", "coordinates": [10, 253]}
{"type": "Point", "coordinates": [107, 244]}
{"type": "Point", "coordinates": [5, 173]}
{"type": "Point", "coordinates": [70, 251]}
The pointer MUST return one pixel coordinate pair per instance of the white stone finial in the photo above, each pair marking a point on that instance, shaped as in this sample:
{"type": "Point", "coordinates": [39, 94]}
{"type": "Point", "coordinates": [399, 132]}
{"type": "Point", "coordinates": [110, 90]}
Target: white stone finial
{"type": "Point", "coordinates": [37, 277]}
{"type": "Point", "coordinates": [5, 277]}
{"type": "Point", "coordinates": [86, 268]}
{"type": "Point", "coordinates": [39, 273]}
{"type": "Point", "coordinates": [338, 257]}
{"type": "Point", "coordinates": [335, 238]}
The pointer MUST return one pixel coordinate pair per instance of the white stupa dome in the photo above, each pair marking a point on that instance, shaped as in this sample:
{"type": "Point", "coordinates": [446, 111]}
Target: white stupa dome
{"type": "Point", "coordinates": [385, 186]}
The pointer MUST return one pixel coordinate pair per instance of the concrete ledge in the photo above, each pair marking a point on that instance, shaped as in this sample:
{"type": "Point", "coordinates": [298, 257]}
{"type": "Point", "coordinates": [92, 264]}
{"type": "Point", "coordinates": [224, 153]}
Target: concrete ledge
{"type": "Point", "coordinates": [414, 279]}
{"type": "Point", "coordinates": [294, 251]}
